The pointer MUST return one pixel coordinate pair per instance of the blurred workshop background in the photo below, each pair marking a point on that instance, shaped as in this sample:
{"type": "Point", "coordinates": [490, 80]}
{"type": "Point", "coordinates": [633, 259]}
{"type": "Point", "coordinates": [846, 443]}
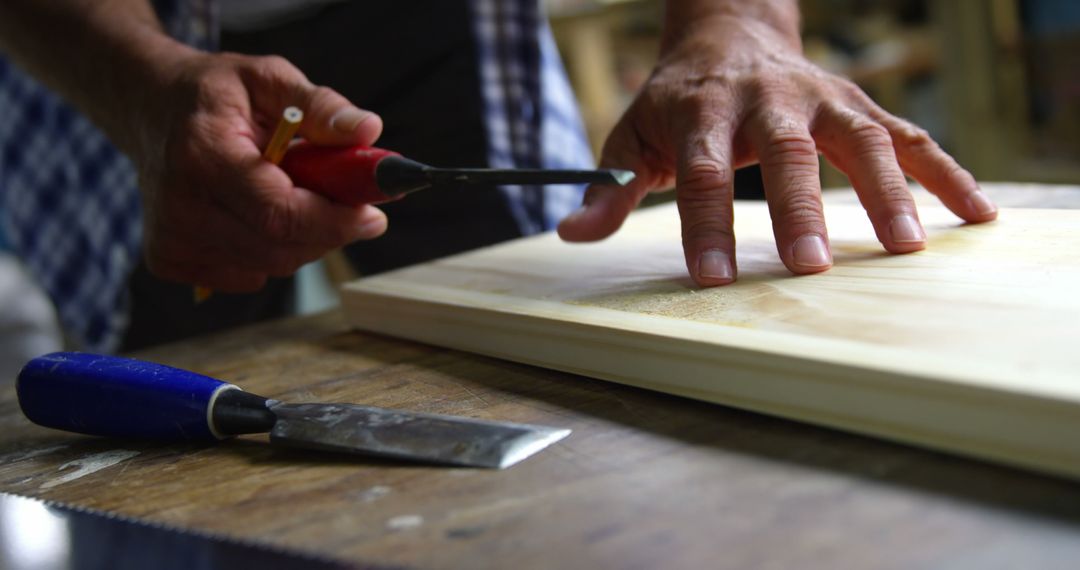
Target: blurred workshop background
{"type": "Point", "coordinates": [996, 82]}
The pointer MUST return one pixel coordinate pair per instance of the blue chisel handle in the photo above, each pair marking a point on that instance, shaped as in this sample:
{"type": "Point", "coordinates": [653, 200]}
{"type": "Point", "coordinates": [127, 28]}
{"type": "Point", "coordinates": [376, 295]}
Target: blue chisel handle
{"type": "Point", "coordinates": [119, 397]}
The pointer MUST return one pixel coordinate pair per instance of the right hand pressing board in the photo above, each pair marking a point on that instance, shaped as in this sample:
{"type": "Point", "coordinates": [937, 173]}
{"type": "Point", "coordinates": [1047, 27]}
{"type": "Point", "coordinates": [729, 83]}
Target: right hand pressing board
{"type": "Point", "coordinates": [732, 88]}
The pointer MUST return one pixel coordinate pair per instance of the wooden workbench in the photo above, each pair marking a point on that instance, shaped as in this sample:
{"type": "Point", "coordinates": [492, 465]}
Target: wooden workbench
{"type": "Point", "coordinates": [645, 481]}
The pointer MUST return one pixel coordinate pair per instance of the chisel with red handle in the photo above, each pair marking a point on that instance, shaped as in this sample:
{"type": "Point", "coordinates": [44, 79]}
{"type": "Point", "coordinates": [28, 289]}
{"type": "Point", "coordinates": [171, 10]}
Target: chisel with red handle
{"type": "Point", "coordinates": [370, 175]}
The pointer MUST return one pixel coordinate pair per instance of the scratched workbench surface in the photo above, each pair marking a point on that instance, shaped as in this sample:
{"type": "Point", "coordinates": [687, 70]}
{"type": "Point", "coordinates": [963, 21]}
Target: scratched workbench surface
{"type": "Point", "coordinates": [645, 481]}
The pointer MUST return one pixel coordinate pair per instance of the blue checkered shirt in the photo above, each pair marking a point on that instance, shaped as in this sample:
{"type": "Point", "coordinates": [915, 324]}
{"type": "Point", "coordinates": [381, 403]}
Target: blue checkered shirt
{"type": "Point", "coordinates": [69, 201]}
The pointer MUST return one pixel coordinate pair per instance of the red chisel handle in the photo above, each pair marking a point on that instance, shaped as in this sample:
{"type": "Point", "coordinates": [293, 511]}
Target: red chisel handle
{"type": "Point", "coordinates": [342, 174]}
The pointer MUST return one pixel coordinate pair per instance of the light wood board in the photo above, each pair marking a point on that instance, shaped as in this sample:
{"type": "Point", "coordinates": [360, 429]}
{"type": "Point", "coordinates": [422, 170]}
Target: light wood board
{"type": "Point", "coordinates": [969, 347]}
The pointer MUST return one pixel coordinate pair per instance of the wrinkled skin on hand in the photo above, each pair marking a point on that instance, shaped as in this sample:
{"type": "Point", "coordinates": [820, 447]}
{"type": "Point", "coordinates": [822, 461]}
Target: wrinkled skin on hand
{"type": "Point", "coordinates": [215, 213]}
{"type": "Point", "coordinates": [729, 92]}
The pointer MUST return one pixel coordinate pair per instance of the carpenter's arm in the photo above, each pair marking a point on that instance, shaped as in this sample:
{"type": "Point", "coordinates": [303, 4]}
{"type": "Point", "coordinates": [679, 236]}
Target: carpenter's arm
{"type": "Point", "coordinates": [194, 123]}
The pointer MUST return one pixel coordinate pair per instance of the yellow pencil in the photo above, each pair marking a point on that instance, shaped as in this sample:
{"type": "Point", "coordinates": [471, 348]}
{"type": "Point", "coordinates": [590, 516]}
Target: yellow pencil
{"type": "Point", "coordinates": [283, 134]}
{"type": "Point", "coordinates": [275, 151]}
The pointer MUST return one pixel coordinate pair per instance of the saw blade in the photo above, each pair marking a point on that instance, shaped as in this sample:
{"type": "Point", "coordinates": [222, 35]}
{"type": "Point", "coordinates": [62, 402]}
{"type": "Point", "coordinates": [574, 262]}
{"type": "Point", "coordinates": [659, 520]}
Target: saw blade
{"type": "Point", "coordinates": [46, 534]}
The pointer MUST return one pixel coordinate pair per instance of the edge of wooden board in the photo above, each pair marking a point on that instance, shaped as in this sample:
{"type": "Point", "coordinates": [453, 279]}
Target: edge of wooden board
{"type": "Point", "coordinates": [965, 410]}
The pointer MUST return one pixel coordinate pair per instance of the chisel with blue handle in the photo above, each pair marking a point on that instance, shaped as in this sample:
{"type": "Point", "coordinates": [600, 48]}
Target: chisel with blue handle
{"type": "Point", "coordinates": [125, 398]}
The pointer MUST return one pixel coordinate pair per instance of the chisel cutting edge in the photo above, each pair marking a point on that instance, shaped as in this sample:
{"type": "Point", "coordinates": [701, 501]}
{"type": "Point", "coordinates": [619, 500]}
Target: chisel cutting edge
{"type": "Point", "coordinates": [120, 397]}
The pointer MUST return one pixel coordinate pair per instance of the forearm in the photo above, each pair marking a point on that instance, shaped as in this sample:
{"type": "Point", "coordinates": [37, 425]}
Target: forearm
{"type": "Point", "coordinates": [103, 56]}
{"type": "Point", "coordinates": [682, 16]}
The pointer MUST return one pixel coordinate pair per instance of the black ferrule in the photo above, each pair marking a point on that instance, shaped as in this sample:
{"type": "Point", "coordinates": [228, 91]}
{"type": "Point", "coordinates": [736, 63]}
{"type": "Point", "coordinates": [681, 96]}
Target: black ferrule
{"type": "Point", "coordinates": [397, 175]}
{"type": "Point", "coordinates": [237, 412]}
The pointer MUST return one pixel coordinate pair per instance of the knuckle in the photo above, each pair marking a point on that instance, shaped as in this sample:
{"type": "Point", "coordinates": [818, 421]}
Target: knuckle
{"type": "Point", "coordinates": [868, 132]}
{"type": "Point", "coordinates": [691, 89]}
{"type": "Point", "coordinates": [955, 171]}
{"type": "Point", "coordinates": [710, 226]}
{"type": "Point", "coordinates": [764, 87]}
{"type": "Point", "coordinates": [209, 88]}
{"type": "Point", "coordinates": [709, 79]}
{"type": "Point", "coordinates": [852, 92]}
{"type": "Point", "coordinates": [916, 138]}
{"type": "Point", "coordinates": [799, 206]}
{"type": "Point", "coordinates": [271, 70]}
{"type": "Point", "coordinates": [206, 83]}
{"type": "Point", "coordinates": [790, 146]}
{"type": "Point", "coordinates": [870, 138]}
{"type": "Point", "coordinates": [271, 66]}
{"type": "Point", "coordinates": [787, 139]}
{"type": "Point", "coordinates": [952, 173]}
{"type": "Point", "coordinates": [835, 111]}
{"type": "Point", "coordinates": [323, 94]}
{"type": "Point", "coordinates": [892, 199]}
{"type": "Point", "coordinates": [895, 193]}
{"type": "Point", "coordinates": [703, 177]}
{"type": "Point", "coordinates": [701, 117]}
{"type": "Point", "coordinates": [774, 120]}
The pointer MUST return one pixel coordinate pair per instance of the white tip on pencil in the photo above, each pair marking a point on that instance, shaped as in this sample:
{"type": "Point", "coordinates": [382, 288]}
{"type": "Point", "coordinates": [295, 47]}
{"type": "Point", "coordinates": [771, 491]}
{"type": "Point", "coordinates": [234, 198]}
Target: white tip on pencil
{"type": "Point", "coordinates": [285, 131]}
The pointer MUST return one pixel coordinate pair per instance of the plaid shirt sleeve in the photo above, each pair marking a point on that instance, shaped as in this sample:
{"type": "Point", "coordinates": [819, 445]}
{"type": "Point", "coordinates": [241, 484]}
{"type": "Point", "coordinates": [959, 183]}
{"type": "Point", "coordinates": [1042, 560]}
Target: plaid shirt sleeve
{"type": "Point", "coordinates": [69, 203]}
{"type": "Point", "coordinates": [530, 112]}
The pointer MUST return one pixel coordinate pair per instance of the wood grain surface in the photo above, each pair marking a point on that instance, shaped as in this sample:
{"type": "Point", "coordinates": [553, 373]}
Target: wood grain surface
{"type": "Point", "coordinates": [968, 346]}
{"type": "Point", "coordinates": [645, 481]}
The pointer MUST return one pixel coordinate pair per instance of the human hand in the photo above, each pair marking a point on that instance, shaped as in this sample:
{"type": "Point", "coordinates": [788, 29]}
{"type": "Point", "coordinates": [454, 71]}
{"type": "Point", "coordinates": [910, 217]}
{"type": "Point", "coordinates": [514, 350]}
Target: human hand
{"type": "Point", "coordinates": [215, 212]}
{"type": "Point", "coordinates": [732, 90]}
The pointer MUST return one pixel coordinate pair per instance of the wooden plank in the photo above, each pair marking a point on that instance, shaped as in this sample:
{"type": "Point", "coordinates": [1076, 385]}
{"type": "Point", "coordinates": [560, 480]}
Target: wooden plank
{"type": "Point", "coordinates": [967, 347]}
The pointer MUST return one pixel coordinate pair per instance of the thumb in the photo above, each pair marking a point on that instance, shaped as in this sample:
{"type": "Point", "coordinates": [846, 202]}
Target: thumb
{"type": "Point", "coordinates": [330, 119]}
{"type": "Point", "coordinates": [606, 207]}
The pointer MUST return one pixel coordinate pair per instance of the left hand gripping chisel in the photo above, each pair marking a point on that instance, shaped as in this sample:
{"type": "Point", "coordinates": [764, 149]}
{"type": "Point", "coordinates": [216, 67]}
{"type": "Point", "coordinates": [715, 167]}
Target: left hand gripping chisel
{"type": "Point", "coordinates": [120, 397]}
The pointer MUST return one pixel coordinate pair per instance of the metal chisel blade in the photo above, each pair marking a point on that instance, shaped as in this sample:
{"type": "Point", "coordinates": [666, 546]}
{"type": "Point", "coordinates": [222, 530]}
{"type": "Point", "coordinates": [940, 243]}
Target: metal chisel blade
{"type": "Point", "coordinates": [528, 176]}
{"type": "Point", "coordinates": [409, 435]}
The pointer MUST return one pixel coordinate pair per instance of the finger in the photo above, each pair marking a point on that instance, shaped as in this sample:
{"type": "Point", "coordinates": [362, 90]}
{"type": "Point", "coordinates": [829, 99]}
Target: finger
{"type": "Point", "coordinates": [329, 118]}
{"type": "Point", "coordinates": [922, 158]}
{"type": "Point", "coordinates": [262, 195]}
{"type": "Point", "coordinates": [217, 239]}
{"type": "Point", "coordinates": [298, 216]}
{"type": "Point", "coordinates": [789, 170]}
{"type": "Point", "coordinates": [606, 207]}
{"type": "Point", "coordinates": [703, 191]}
{"type": "Point", "coordinates": [863, 149]}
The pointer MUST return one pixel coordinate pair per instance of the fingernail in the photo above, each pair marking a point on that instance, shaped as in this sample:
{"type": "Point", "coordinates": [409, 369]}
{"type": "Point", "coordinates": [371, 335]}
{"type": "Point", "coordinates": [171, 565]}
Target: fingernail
{"type": "Point", "coordinates": [715, 264]}
{"type": "Point", "coordinates": [906, 229]}
{"type": "Point", "coordinates": [348, 119]}
{"type": "Point", "coordinates": [810, 251]}
{"type": "Point", "coordinates": [980, 203]}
